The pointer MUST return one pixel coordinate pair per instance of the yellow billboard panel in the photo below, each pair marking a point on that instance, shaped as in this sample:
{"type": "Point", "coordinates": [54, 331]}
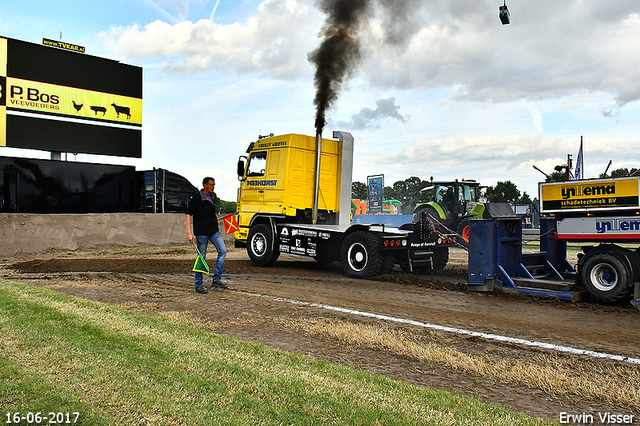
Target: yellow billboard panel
{"type": "Point", "coordinates": [622, 193]}
{"type": "Point", "coordinates": [37, 97]}
{"type": "Point", "coordinates": [3, 108]}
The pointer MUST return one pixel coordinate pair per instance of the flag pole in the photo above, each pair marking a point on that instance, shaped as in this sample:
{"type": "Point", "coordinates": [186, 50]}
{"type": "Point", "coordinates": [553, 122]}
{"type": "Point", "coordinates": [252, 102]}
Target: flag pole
{"type": "Point", "coordinates": [581, 159]}
{"type": "Point", "coordinates": [194, 244]}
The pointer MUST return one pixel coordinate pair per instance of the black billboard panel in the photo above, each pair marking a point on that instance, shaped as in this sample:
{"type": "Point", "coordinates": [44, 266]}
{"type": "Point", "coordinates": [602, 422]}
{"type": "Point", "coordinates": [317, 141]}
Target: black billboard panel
{"type": "Point", "coordinates": [56, 99]}
{"type": "Point", "coordinates": [35, 133]}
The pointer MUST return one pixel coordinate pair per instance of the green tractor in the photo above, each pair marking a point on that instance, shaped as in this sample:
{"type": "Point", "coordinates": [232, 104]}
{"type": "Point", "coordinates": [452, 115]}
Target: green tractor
{"type": "Point", "coordinates": [453, 205]}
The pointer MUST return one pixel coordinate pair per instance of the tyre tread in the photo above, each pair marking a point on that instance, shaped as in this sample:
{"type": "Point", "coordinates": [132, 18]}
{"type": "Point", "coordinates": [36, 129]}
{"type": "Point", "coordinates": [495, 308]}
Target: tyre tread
{"type": "Point", "coordinates": [376, 261]}
{"type": "Point", "coordinates": [621, 292]}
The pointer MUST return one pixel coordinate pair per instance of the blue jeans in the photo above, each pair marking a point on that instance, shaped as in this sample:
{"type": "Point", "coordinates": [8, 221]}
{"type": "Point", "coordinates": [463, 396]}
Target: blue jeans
{"type": "Point", "coordinates": [216, 239]}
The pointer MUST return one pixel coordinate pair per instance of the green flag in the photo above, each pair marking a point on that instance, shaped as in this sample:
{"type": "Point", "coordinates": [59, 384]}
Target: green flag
{"type": "Point", "coordinates": [200, 265]}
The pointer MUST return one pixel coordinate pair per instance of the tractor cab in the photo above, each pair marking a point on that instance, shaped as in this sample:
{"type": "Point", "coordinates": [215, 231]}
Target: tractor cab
{"type": "Point", "coordinates": [457, 198]}
{"type": "Point", "coordinates": [452, 205]}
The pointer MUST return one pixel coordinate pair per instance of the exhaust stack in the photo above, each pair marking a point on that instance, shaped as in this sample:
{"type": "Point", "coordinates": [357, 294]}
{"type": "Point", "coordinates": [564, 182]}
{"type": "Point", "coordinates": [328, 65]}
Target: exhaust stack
{"type": "Point", "coordinates": [316, 190]}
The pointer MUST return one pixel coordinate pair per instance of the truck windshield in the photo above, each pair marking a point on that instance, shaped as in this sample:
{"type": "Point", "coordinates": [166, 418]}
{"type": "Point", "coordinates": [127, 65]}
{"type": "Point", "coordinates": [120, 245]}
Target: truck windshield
{"type": "Point", "coordinates": [257, 164]}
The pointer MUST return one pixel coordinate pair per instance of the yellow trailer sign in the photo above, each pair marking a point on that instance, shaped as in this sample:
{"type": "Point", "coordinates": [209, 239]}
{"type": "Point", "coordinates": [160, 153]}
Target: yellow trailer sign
{"type": "Point", "coordinates": [597, 194]}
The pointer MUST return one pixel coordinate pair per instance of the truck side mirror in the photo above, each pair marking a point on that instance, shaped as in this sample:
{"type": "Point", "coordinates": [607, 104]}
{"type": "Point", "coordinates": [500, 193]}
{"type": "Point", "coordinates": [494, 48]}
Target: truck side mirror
{"type": "Point", "coordinates": [240, 168]}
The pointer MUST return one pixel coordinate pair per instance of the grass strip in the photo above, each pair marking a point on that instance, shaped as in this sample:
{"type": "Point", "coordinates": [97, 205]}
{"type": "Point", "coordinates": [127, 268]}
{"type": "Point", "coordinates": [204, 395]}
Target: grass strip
{"type": "Point", "coordinates": [573, 377]}
{"type": "Point", "coordinates": [113, 366]}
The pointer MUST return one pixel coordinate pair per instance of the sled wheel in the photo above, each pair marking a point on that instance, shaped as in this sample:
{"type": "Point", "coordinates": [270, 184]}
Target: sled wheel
{"type": "Point", "coordinates": [606, 278]}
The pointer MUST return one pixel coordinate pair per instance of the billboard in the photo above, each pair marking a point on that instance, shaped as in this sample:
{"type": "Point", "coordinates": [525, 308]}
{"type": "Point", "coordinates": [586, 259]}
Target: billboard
{"type": "Point", "coordinates": [62, 101]}
{"type": "Point", "coordinates": [594, 194]}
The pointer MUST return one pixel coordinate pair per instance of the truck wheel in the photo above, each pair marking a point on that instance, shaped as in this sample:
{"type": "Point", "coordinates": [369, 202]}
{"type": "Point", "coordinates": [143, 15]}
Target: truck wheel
{"type": "Point", "coordinates": [606, 278]}
{"type": "Point", "coordinates": [360, 255]}
{"type": "Point", "coordinates": [463, 231]}
{"type": "Point", "coordinates": [259, 246]}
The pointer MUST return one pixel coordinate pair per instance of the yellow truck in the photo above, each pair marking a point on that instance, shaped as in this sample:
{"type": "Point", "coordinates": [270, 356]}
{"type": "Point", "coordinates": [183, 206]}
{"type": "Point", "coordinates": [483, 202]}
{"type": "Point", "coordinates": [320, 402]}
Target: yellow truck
{"type": "Point", "coordinates": [292, 200]}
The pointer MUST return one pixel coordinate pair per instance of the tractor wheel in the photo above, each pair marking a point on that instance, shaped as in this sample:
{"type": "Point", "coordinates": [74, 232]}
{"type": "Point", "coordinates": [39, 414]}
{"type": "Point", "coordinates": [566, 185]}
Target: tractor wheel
{"type": "Point", "coordinates": [360, 255]}
{"type": "Point", "coordinates": [463, 231]}
{"type": "Point", "coordinates": [259, 245]}
{"type": "Point", "coordinates": [606, 278]}
{"type": "Point", "coordinates": [431, 213]}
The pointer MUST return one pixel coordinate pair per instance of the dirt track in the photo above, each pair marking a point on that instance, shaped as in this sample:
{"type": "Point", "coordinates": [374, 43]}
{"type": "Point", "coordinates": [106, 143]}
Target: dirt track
{"type": "Point", "coordinates": [159, 281]}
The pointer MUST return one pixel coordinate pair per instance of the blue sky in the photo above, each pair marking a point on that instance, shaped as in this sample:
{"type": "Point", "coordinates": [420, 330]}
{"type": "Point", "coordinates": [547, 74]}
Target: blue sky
{"type": "Point", "coordinates": [455, 95]}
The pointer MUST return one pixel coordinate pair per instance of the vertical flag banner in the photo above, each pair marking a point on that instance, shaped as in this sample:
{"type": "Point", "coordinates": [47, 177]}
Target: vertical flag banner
{"type": "Point", "coordinates": [579, 163]}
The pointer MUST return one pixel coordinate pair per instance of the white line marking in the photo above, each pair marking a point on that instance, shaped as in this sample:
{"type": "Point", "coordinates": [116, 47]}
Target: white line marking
{"type": "Point", "coordinates": [462, 331]}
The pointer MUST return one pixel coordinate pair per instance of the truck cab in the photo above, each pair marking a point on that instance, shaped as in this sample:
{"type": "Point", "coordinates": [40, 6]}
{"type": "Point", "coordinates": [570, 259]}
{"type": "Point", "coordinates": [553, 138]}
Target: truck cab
{"type": "Point", "coordinates": [277, 178]}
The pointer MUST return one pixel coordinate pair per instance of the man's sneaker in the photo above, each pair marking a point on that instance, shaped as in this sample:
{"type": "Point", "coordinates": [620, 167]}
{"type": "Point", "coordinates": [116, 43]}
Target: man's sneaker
{"type": "Point", "coordinates": [219, 284]}
{"type": "Point", "coordinates": [201, 289]}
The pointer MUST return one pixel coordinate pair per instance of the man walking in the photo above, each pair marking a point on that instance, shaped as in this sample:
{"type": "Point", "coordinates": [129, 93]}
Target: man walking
{"type": "Point", "coordinates": [205, 228]}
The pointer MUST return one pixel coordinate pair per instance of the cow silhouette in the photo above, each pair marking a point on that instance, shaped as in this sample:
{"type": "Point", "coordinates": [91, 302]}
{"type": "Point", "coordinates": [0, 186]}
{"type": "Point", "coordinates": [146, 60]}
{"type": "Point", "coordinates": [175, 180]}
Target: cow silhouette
{"type": "Point", "coordinates": [97, 109]}
{"type": "Point", "coordinates": [122, 110]}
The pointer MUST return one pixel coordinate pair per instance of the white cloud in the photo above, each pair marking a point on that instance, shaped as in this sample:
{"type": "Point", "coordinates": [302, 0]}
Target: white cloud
{"type": "Point", "coordinates": [549, 50]}
{"type": "Point", "coordinates": [275, 41]}
{"type": "Point", "coordinates": [491, 158]}
{"type": "Point", "coordinates": [486, 101]}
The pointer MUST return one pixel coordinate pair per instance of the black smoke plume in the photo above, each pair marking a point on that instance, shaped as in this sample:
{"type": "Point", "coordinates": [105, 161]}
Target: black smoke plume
{"type": "Point", "coordinates": [339, 52]}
